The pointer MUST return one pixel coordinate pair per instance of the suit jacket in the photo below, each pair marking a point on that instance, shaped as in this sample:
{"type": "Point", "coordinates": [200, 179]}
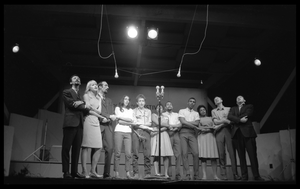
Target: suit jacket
{"type": "Point", "coordinates": [107, 109]}
{"type": "Point", "coordinates": [73, 116]}
{"type": "Point", "coordinates": [235, 115]}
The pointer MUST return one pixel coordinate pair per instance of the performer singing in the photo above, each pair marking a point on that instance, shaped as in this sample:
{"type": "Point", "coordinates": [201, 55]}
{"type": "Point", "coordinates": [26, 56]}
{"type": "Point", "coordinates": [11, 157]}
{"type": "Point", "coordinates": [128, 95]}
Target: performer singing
{"type": "Point", "coordinates": [142, 116]}
{"type": "Point", "coordinates": [165, 148]}
{"type": "Point", "coordinates": [72, 128]}
{"type": "Point", "coordinates": [243, 136]}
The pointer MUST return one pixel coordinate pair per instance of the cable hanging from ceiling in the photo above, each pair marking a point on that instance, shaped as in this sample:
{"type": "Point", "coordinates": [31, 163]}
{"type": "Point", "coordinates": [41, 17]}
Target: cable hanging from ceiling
{"type": "Point", "coordinates": [116, 70]}
{"type": "Point", "coordinates": [99, 37]}
{"type": "Point", "coordinates": [179, 70]}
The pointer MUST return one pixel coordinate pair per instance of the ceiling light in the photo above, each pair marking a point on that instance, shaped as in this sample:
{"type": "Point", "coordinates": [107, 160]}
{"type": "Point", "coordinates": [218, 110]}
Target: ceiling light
{"type": "Point", "coordinates": [257, 62]}
{"type": "Point", "coordinates": [16, 48]}
{"type": "Point", "coordinates": [152, 33]}
{"type": "Point", "coordinates": [178, 74]}
{"type": "Point", "coordinates": [116, 74]}
{"type": "Point", "coordinates": [132, 31]}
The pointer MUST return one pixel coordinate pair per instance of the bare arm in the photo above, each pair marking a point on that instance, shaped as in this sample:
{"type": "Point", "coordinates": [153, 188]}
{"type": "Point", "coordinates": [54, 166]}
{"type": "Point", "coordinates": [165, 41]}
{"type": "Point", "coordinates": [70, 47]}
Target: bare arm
{"type": "Point", "coordinates": [192, 125]}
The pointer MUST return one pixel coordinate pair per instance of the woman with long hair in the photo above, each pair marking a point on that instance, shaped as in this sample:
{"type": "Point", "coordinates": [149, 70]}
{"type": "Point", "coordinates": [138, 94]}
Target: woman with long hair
{"type": "Point", "coordinates": [122, 134]}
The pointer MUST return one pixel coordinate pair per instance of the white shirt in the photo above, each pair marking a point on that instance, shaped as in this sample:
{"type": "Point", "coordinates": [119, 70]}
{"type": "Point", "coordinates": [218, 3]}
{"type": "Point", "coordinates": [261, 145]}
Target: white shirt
{"type": "Point", "coordinates": [189, 115]}
{"type": "Point", "coordinates": [127, 113]}
{"type": "Point", "coordinates": [173, 117]}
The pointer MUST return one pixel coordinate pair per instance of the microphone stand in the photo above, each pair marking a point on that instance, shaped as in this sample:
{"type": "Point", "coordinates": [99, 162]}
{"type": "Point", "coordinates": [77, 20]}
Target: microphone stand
{"type": "Point", "coordinates": [159, 96]}
{"type": "Point", "coordinates": [42, 146]}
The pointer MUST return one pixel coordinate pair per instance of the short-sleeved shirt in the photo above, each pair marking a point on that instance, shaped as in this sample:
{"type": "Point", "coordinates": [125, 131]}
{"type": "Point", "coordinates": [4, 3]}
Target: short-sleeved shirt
{"type": "Point", "coordinates": [220, 113]}
{"type": "Point", "coordinates": [189, 115]}
{"type": "Point", "coordinates": [142, 116]}
{"type": "Point", "coordinates": [173, 119]}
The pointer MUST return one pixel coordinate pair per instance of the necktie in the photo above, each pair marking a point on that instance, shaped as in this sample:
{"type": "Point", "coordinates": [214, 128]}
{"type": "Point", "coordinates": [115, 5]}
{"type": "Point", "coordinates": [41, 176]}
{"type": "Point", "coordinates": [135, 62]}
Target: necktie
{"type": "Point", "coordinates": [78, 95]}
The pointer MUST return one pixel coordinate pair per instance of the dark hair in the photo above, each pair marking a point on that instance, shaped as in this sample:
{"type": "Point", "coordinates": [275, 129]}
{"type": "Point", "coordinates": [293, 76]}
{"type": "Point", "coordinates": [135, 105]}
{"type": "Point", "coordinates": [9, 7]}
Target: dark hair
{"type": "Point", "coordinates": [140, 96]}
{"type": "Point", "coordinates": [70, 79]}
{"type": "Point", "coordinates": [192, 98]}
{"type": "Point", "coordinates": [101, 83]}
{"type": "Point", "coordinates": [121, 103]}
{"type": "Point", "coordinates": [168, 102]}
{"type": "Point", "coordinates": [201, 106]}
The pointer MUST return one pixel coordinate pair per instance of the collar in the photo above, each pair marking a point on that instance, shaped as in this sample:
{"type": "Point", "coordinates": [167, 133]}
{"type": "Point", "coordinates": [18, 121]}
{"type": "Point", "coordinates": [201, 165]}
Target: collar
{"type": "Point", "coordinates": [100, 95]}
{"type": "Point", "coordinates": [169, 113]}
{"type": "Point", "coordinates": [220, 108]}
{"type": "Point", "coordinates": [190, 110]}
{"type": "Point", "coordinates": [75, 90]}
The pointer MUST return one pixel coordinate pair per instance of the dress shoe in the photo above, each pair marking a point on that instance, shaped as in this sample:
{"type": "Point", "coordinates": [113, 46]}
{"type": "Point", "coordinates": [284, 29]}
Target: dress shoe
{"type": "Point", "coordinates": [85, 175]}
{"type": "Point", "coordinates": [187, 177]}
{"type": "Point", "coordinates": [237, 177]}
{"type": "Point", "coordinates": [224, 177]}
{"type": "Point", "coordinates": [106, 176]}
{"type": "Point", "coordinates": [244, 178]}
{"type": "Point", "coordinates": [259, 179]}
{"type": "Point", "coordinates": [117, 176]}
{"type": "Point", "coordinates": [78, 175]}
{"type": "Point", "coordinates": [147, 176]}
{"type": "Point", "coordinates": [94, 175]}
{"type": "Point", "coordinates": [217, 178]}
{"type": "Point", "coordinates": [177, 177]}
{"type": "Point", "coordinates": [128, 176]}
{"type": "Point", "coordinates": [135, 176]}
{"type": "Point", "coordinates": [67, 175]}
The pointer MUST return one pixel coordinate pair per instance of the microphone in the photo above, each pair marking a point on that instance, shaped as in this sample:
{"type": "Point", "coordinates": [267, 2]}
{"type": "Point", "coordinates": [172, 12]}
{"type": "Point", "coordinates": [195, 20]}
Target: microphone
{"type": "Point", "coordinates": [157, 91]}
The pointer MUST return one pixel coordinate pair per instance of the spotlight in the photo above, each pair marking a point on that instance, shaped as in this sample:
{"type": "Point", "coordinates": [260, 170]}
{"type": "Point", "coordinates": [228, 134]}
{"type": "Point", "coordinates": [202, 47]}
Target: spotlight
{"type": "Point", "coordinates": [16, 48]}
{"type": "Point", "coordinates": [257, 62]}
{"type": "Point", "coordinates": [132, 31]}
{"type": "Point", "coordinates": [152, 33]}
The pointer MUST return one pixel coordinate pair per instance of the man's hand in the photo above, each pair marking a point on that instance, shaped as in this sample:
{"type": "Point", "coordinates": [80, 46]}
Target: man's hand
{"type": "Point", "coordinates": [77, 103]}
{"type": "Point", "coordinates": [244, 119]}
{"type": "Point", "coordinates": [104, 120]}
{"type": "Point", "coordinates": [113, 117]}
{"type": "Point", "coordinates": [153, 133]}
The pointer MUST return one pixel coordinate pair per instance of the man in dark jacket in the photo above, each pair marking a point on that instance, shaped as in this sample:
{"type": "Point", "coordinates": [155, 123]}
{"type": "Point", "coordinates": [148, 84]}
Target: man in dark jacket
{"type": "Point", "coordinates": [72, 128]}
{"type": "Point", "coordinates": [243, 136]}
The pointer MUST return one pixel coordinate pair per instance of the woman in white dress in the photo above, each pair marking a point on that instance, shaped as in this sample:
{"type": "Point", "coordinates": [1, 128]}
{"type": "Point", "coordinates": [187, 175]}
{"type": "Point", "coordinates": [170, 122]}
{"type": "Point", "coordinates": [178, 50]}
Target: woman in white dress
{"type": "Point", "coordinates": [207, 142]}
{"type": "Point", "coordinates": [166, 150]}
{"type": "Point", "coordinates": [91, 130]}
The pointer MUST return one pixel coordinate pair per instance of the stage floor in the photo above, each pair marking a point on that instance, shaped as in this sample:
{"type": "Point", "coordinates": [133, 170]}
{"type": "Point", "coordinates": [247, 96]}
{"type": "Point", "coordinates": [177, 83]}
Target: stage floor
{"type": "Point", "coordinates": [61, 181]}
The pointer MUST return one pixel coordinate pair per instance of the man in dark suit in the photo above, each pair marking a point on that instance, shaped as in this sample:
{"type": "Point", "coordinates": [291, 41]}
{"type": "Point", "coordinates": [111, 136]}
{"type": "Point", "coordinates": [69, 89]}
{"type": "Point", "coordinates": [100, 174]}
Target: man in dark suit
{"type": "Point", "coordinates": [107, 128]}
{"type": "Point", "coordinates": [72, 128]}
{"type": "Point", "coordinates": [243, 136]}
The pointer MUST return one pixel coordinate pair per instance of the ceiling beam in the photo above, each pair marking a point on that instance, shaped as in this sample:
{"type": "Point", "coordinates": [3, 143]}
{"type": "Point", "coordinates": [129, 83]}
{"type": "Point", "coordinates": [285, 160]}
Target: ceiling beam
{"type": "Point", "coordinates": [139, 53]}
{"type": "Point", "coordinates": [218, 14]}
{"type": "Point", "coordinates": [278, 97]}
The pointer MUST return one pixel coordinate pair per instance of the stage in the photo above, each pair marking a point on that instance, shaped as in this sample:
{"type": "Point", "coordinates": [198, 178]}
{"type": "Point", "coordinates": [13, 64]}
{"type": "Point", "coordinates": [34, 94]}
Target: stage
{"type": "Point", "coordinates": [15, 180]}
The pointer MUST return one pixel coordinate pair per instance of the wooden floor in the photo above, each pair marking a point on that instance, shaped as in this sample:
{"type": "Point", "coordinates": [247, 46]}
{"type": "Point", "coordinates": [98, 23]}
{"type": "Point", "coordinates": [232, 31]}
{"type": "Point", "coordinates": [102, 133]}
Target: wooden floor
{"type": "Point", "coordinates": [151, 181]}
